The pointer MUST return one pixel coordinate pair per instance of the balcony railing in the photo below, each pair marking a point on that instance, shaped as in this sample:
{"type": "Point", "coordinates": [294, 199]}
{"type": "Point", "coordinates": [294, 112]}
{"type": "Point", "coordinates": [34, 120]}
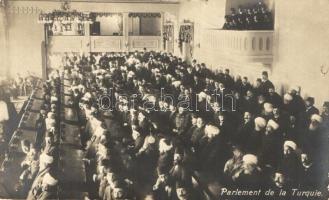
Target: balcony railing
{"type": "Point", "coordinates": [253, 46]}
{"type": "Point", "coordinates": [103, 43]}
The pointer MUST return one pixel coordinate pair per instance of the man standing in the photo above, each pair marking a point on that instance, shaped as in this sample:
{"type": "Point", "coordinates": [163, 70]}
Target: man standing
{"type": "Point", "coordinates": [266, 83]}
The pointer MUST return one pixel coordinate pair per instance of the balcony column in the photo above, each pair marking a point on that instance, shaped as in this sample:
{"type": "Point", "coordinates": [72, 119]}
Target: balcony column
{"type": "Point", "coordinates": [4, 68]}
{"type": "Point", "coordinates": [161, 28]}
{"type": "Point", "coordinates": [125, 45]}
{"type": "Point", "coordinates": [87, 29]}
{"type": "Point", "coordinates": [87, 38]}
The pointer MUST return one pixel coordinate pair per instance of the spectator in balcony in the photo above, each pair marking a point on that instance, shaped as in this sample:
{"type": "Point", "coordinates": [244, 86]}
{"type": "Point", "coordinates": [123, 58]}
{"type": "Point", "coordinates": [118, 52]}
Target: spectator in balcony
{"type": "Point", "coordinates": [254, 18]}
{"type": "Point", "coordinates": [242, 13]}
{"type": "Point", "coordinates": [256, 24]}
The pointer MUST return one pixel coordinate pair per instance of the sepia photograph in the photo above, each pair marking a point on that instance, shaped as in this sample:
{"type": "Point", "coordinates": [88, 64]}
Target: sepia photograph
{"type": "Point", "coordinates": [164, 99]}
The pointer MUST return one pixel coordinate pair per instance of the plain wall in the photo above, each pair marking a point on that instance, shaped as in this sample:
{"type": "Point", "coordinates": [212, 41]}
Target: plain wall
{"type": "Point", "coordinates": [204, 15]}
{"type": "Point", "coordinates": [302, 46]}
{"type": "Point", "coordinates": [24, 44]}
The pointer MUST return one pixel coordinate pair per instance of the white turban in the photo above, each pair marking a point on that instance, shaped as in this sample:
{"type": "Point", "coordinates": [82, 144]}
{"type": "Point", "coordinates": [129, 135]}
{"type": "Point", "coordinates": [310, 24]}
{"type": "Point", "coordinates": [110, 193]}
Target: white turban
{"type": "Point", "coordinates": [211, 130]}
{"type": "Point", "coordinates": [268, 107]}
{"type": "Point", "coordinates": [112, 70]}
{"type": "Point", "coordinates": [49, 180]}
{"type": "Point", "coordinates": [4, 114]}
{"type": "Point", "coordinates": [123, 68]}
{"type": "Point", "coordinates": [163, 146]}
{"type": "Point", "coordinates": [135, 134]}
{"type": "Point", "coordinates": [150, 98]}
{"type": "Point", "coordinates": [176, 83]}
{"type": "Point", "coordinates": [141, 115]}
{"type": "Point", "coordinates": [44, 158]}
{"type": "Point", "coordinates": [290, 144]}
{"type": "Point", "coordinates": [130, 74]}
{"type": "Point", "coordinates": [317, 118]}
{"type": "Point", "coordinates": [287, 97]}
{"type": "Point", "coordinates": [87, 95]}
{"type": "Point", "coordinates": [250, 159]}
{"type": "Point", "coordinates": [53, 99]}
{"type": "Point", "coordinates": [150, 140]}
{"type": "Point", "coordinates": [259, 123]}
{"type": "Point", "coordinates": [50, 115]}
{"type": "Point", "coordinates": [156, 70]}
{"type": "Point", "coordinates": [100, 131]}
{"type": "Point", "coordinates": [202, 96]}
{"type": "Point", "coordinates": [271, 123]}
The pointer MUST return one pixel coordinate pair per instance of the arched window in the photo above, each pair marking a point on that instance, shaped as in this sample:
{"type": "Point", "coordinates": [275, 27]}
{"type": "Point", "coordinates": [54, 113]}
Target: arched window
{"type": "Point", "coordinates": [253, 43]}
{"type": "Point", "coordinates": [268, 44]}
{"type": "Point", "coordinates": [245, 44]}
{"type": "Point", "coordinates": [260, 45]}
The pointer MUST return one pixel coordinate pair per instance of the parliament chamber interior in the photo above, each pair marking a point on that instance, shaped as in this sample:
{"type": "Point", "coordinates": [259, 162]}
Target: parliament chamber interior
{"type": "Point", "coordinates": [164, 99]}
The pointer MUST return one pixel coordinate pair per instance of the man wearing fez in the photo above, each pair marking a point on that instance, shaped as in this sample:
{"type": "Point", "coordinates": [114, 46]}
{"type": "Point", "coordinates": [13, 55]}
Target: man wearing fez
{"type": "Point", "coordinates": [310, 108]}
{"type": "Point", "coordinates": [198, 133]}
{"type": "Point", "coordinates": [298, 107]}
{"type": "Point", "coordinates": [227, 79]}
{"type": "Point", "coordinates": [184, 191]}
{"type": "Point", "coordinates": [279, 181]}
{"type": "Point", "coordinates": [274, 98]}
{"type": "Point", "coordinates": [309, 172]}
{"type": "Point", "coordinates": [182, 121]}
{"type": "Point", "coordinates": [325, 115]}
{"type": "Point", "coordinates": [118, 190]}
{"type": "Point", "coordinates": [181, 170]}
{"type": "Point", "coordinates": [266, 83]}
{"type": "Point", "coordinates": [163, 188]}
{"type": "Point", "coordinates": [245, 127]}
{"type": "Point", "coordinates": [245, 86]}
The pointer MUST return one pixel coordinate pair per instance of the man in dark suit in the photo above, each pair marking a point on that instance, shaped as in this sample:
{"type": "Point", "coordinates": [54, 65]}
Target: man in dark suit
{"type": "Point", "coordinates": [266, 83]}
{"type": "Point", "coordinates": [310, 108]}
{"type": "Point", "coordinates": [274, 98]}
{"type": "Point", "coordinates": [182, 121]}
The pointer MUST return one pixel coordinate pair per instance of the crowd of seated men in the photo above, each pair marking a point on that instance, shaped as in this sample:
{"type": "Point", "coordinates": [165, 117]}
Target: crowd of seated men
{"type": "Point", "coordinates": [21, 86]}
{"type": "Point", "coordinates": [39, 169]}
{"type": "Point", "coordinates": [264, 141]}
{"type": "Point", "coordinates": [256, 18]}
